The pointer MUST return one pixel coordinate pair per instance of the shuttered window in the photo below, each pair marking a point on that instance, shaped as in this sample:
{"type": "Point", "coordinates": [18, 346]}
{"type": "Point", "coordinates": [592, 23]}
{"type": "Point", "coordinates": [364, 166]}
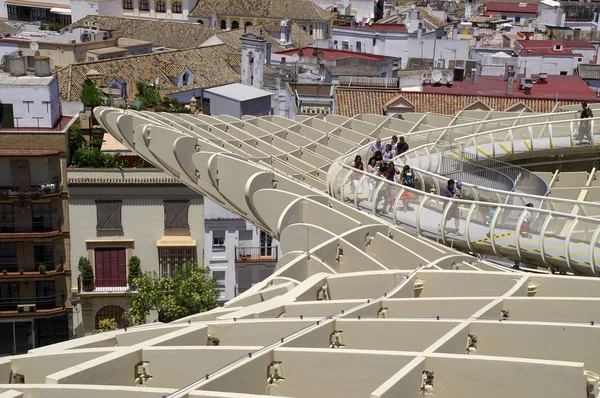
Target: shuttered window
{"type": "Point", "coordinates": [108, 214]}
{"type": "Point", "coordinates": [111, 267]}
{"type": "Point", "coordinates": [176, 214]}
{"type": "Point", "coordinates": [171, 258]}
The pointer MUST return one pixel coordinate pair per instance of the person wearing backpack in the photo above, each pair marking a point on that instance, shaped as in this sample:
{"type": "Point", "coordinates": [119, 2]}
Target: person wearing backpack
{"type": "Point", "coordinates": [407, 178]}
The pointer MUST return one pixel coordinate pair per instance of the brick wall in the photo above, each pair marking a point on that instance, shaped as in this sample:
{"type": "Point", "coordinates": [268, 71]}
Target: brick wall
{"type": "Point", "coordinates": [50, 141]}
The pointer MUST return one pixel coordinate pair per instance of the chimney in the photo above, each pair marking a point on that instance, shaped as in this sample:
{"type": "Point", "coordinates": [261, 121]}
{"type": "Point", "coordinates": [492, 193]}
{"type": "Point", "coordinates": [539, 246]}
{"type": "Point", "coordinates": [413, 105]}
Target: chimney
{"type": "Point", "coordinates": [509, 86]}
{"type": "Point", "coordinates": [473, 76]}
{"type": "Point", "coordinates": [543, 76]}
{"type": "Point", "coordinates": [528, 87]}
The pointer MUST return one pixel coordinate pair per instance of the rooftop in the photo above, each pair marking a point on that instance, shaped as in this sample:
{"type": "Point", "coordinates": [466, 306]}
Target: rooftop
{"type": "Point", "coordinates": [209, 65]}
{"type": "Point", "coordinates": [511, 8]}
{"type": "Point", "coordinates": [299, 37]}
{"type": "Point", "coordinates": [129, 42]}
{"type": "Point", "coordinates": [31, 33]}
{"type": "Point", "coordinates": [161, 33]}
{"type": "Point", "coordinates": [331, 55]}
{"type": "Point", "coordinates": [303, 10]}
{"type": "Point", "coordinates": [108, 50]}
{"type": "Point", "coordinates": [589, 71]}
{"type": "Point", "coordinates": [545, 44]}
{"type": "Point", "coordinates": [239, 92]}
{"type": "Point", "coordinates": [388, 27]}
{"type": "Point", "coordinates": [7, 79]}
{"type": "Point", "coordinates": [61, 125]}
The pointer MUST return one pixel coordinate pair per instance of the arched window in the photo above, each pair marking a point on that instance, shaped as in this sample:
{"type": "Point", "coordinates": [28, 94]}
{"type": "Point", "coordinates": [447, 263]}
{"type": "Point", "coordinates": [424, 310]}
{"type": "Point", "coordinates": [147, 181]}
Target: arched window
{"type": "Point", "coordinates": [128, 4]}
{"type": "Point", "coordinates": [111, 312]}
{"type": "Point", "coordinates": [161, 6]}
{"type": "Point", "coordinates": [235, 25]}
{"type": "Point", "coordinates": [248, 23]}
{"type": "Point", "coordinates": [144, 5]}
{"type": "Point", "coordinates": [223, 24]}
{"type": "Point", "coordinates": [201, 22]}
{"type": "Point", "coordinates": [178, 9]}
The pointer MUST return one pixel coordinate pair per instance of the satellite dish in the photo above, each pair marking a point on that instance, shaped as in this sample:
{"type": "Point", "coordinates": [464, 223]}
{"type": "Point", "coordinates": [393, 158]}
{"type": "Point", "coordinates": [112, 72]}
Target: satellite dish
{"type": "Point", "coordinates": [413, 6]}
{"type": "Point", "coordinates": [436, 75]}
{"type": "Point", "coordinates": [34, 46]}
{"type": "Point", "coordinates": [424, 75]}
{"type": "Point", "coordinates": [295, 58]}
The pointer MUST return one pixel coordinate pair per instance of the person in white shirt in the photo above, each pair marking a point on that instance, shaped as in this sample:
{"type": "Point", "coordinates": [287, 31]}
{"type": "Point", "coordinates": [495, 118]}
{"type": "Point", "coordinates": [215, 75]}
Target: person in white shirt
{"type": "Point", "coordinates": [527, 220]}
{"type": "Point", "coordinates": [377, 147]}
{"type": "Point", "coordinates": [388, 153]}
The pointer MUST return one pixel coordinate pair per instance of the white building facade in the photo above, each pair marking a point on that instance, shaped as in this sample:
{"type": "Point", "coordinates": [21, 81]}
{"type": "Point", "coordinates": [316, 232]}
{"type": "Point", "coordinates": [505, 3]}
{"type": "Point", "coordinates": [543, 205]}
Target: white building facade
{"type": "Point", "coordinates": [160, 9]}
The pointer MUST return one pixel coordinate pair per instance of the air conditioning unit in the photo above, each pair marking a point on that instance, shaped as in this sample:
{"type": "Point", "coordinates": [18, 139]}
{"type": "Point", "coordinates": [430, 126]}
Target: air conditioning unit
{"type": "Point", "coordinates": [26, 308]}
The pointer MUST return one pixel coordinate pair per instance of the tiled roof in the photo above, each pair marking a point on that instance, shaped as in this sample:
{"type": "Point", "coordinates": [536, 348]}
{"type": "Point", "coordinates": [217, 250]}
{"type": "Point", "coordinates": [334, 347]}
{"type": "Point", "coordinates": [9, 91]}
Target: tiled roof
{"type": "Point", "coordinates": [158, 32]}
{"type": "Point", "coordinates": [589, 71]}
{"type": "Point", "coordinates": [303, 10]}
{"type": "Point", "coordinates": [330, 55]}
{"type": "Point", "coordinates": [27, 152]}
{"type": "Point", "coordinates": [437, 22]}
{"type": "Point", "coordinates": [394, 27]}
{"type": "Point", "coordinates": [163, 180]}
{"type": "Point", "coordinates": [354, 101]}
{"type": "Point", "coordinates": [209, 65]}
{"type": "Point", "coordinates": [271, 33]}
{"type": "Point", "coordinates": [570, 44]}
{"type": "Point", "coordinates": [354, 70]}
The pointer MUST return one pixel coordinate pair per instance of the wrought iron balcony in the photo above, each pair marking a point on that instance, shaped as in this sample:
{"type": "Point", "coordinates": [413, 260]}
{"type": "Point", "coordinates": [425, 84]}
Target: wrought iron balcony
{"type": "Point", "coordinates": [259, 254]}
{"type": "Point", "coordinates": [46, 226]}
{"type": "Point", "coordinates": [26, 305]}
{"type": "Point", "coordinates": [9, 191]}
{"type": "Point", "coordinates": [103, 285]}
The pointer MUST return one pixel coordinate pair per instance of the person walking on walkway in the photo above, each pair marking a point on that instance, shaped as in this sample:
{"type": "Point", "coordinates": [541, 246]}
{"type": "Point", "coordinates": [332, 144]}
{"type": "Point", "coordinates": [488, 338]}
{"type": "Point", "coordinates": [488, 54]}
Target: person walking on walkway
{"type": "Point", "coordinates": [407, 178]}
{"type": "Point", "coordinates": [583, 132]}
{"type": "Point", "coordinates": [527, 220]}
{"type": "Point", "coordinates": [453, 211]}
{"type": "Point", "coordinates": [401, 147]}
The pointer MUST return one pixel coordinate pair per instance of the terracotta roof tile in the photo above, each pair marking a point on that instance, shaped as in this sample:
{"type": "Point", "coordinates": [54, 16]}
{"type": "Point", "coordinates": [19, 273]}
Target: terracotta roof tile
{"type": "Point", "coordinates": [271, 33]}
{"type": "Point", "coordinates": [209, 65]}
{"type": "Point", "coordinates": [158, 32]}
{"type": "Point", "coordinates": [303, 10]}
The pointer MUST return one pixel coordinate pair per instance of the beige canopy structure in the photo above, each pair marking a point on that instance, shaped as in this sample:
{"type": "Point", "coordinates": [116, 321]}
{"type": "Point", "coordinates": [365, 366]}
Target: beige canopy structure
{"type": "Point", "coordinates": [364, 302]}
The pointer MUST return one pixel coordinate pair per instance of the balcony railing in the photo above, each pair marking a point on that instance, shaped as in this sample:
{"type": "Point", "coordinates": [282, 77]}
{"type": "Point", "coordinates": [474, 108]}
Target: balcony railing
{"type": "Point", "coordinates": [103, 285]}
{"type": "Point", "coordinates": [9, 190]}
{"type": "Point", "coordinates": [259, 254]}
{"type": "Point", "coordinates": [48, 225]}
{"type": "Point", "coordinates": [35, 267]}
{"type": "Point", "coordinates": [33, 304]}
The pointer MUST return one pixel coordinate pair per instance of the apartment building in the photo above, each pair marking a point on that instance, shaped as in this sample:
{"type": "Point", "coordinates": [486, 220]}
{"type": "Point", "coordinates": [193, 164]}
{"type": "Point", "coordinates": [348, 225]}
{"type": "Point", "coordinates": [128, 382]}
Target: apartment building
{"type": "Point", "coordinates": [35, 308]}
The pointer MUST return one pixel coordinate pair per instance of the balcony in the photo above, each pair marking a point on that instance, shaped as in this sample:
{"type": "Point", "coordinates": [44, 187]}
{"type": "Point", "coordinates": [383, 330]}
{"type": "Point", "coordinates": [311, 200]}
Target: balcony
{"type": "Point", "coordinates": [259, 254]}
{"type": "Point", "coordinates": [10, 191]}
{"type": "Point", "coordinates": [103, 286]}
{"type": "Point", "coordinates": [24, 306]}
{"type": "Point", "coordinates": [45, 228]}
{"type": "Point", "coordinates": [13, 269]}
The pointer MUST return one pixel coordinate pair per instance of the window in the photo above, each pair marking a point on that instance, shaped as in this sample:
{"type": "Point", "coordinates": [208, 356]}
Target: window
{"type": "Point", "coordinates": [161, 6]}
{"type": "Point", "coordinates": [374, 42]}
{"type": "Point", "coordinates": [108, 215]}
{"type": "Point", "coordinates": [176, 214]}
{"type": "Point", "coordinates": [111, 312]}
{"type": "Point", "coordinates": [245, 234]}
{"type": "Point", "coordinates": [41, 217]}
{"type": "Point", "coordinates": [169, 258]}
{"type": "Point", "coordinates": [219, 276]}
{"type": "Point", "coordinates": [7, 218]}
{"type": "Point", "coordinates": [218, 238]}
{"type": "Point", "coordinates": [579, 59]}
{"type": "Point", "coordinates": [8, 256]}
{"type": "Point", "coordinates": [144, 5]}
{"type": "Point", "coordinates": [43, 253]}
{"type": "Point", "coordinates": [45, 294]}
{"type": "Point", "coordinates": [110, 267]}
{"type": "Point", "coordinates": [9, 294]}
{"type": "Point", "coordinates": [248, 23]}
{"type": "Point", "coordinates": [358, 46]}
{"type": "Point", "coordinates": [223, 24]}
{"type": "Point", "coordinates": [345, 46]}
{"type": "Point", "coordinates": [128, 4]}
{"type": "Point", "coordinates": [266, 244]}
{"type": "Point", "coordinates": [563, 73]}
{"type": "Point", "coordinates": [29, 104]}
{"type": "Point", "coordinates": [177, 8]}
{"type": "Point", "coordinates": [186, 78]}
{"type": "Point", "coordinates": [235, 25]}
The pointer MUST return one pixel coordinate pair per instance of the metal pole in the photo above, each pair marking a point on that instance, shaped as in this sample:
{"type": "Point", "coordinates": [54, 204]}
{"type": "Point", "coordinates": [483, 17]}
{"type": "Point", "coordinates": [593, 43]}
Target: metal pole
{"type": "Point", "coordinates": [14, 339]}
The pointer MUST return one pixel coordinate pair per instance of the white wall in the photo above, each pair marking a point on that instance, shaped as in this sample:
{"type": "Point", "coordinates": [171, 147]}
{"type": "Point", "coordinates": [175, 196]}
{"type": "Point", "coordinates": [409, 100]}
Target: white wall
{"type": "Point", "coordinates": [108, 8]}
{"type": "Point", "coordinates": [550, 64]}
{"type": "Point", "coordinates": [16, 94]}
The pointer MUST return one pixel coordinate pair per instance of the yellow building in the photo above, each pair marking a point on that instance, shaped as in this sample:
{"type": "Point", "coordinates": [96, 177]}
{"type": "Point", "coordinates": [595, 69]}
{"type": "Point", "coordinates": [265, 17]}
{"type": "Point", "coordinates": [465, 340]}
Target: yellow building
{"type": "Point", "coordinates": [234, 14]}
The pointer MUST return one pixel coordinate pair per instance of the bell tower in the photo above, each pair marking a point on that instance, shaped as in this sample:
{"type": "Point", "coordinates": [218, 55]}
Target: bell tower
{"type": "Point", "coordinates": [253, 59]}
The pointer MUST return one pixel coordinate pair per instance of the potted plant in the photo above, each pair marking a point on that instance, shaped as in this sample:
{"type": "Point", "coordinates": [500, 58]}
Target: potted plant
{"type": "Point", "coordinates": [5, 271]}
{"type": "Point", "coordinates": [87, 274]}
{"type": "Point", "coordinates": [21, 271]}
{"type": "Point", "coordinates": [59, 267]}
{"type": "Point", "coordinates": [135, 271]}
{"type": "Point", "coordinates": [42, 268]}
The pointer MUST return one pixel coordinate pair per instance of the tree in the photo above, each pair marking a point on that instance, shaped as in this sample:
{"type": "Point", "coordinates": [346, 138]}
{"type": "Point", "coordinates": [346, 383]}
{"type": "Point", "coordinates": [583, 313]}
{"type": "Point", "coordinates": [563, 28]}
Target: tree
{"type": "Point", "coordinates": [76, 140]}
{"type": "Point", "coordinates": [106, 325]}
{"type": "Point", "coordinates": [90, 96]}
{"type": "Point", "coordinates": [135, 270]}
{"type": "Point", "coordinates": [87, 273]}
{"type": "Point", "coordinates": [191, 290]}
{"type": "Point", "coordinates": [148, 95]}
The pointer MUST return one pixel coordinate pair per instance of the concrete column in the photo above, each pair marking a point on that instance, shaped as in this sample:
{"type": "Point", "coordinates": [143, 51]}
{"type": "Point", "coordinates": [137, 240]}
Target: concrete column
{"type": "Point", "coordinates": [258, 68]}
{"type": "Point", "coordinates": [254, 21]}
{"type": "Point", "coordinates": [242, 22]}
{"type": "Point", "coordinates": [228, 24]}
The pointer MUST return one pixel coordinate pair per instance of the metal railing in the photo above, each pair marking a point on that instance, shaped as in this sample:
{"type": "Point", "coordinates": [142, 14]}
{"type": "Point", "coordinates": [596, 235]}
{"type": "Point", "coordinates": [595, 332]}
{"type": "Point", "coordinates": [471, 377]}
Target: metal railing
{"type": "Point", "coordinates": [41, 303]}
{"type": "Point", "coordinates": [10, 190]}
{"type": "Point", "coordinates": [475, 174]}
{"type": "Point", "coordinates": [259, 254]}
{"type": "Point", "coordinates": [35, 267]}
{"type": "Point", "coordinates": [102, 285]}
{"type": "Point", "coordinates": [47, 225]}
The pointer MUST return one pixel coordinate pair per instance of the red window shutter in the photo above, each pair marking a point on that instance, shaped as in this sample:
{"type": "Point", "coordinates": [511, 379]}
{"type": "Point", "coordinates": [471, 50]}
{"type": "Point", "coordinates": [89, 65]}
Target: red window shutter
{"type": "Point", "coordinates": [99, 263]}
{"type": "Point", "coordinates": [122, 267]}
{"type": "Point", "coordinates": [114, 263]}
